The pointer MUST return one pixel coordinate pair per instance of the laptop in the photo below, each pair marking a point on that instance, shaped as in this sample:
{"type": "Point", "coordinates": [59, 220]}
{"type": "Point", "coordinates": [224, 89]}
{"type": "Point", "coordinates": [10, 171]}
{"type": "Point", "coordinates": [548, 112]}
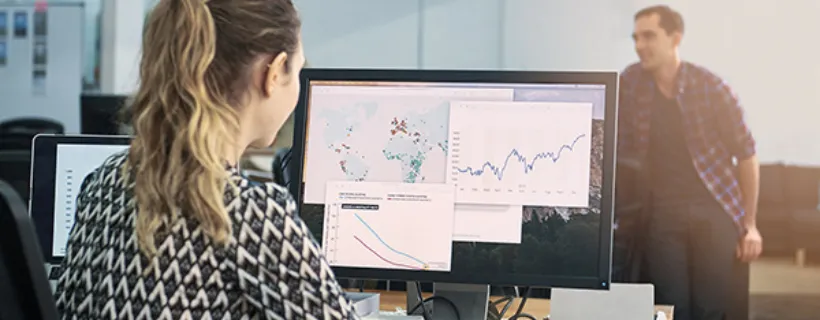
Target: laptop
{"type": "Point", "coordinates": [59, 164]}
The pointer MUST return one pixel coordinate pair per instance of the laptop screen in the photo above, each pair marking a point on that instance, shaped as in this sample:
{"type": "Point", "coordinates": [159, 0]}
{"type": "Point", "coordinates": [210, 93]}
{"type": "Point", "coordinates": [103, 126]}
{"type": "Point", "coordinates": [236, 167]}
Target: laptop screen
{"type": "Point", "coordinates": [74, 163]}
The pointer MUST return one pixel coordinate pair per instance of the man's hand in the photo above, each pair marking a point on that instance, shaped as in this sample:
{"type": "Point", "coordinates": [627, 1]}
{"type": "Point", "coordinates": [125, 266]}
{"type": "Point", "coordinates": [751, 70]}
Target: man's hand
{"type": "Point", "coordinates": [750, 246]}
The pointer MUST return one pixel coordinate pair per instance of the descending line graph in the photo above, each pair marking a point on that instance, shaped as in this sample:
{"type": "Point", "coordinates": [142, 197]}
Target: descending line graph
{"type": "Point", "coordinates": [424, 265]}
{"type": "Point", "coordinates": [383, 258]}
{"type": "Point", "coordinates": [375, 225]}
{"type": "Point", "coordinates": [520, 153]}
{"type": "Point", "coordinates": [528, 165]}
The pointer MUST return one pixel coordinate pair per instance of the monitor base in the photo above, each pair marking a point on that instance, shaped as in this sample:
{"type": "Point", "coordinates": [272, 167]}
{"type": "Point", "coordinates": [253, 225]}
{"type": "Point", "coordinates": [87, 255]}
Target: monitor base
{"type": "Point", "coordinates": [471, 300]}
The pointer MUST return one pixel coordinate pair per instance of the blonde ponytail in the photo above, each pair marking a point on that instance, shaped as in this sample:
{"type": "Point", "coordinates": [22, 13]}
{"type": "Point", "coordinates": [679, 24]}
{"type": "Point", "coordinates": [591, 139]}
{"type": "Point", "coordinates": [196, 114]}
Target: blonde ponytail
{"type": "Point", "coordinates": [183, 125]}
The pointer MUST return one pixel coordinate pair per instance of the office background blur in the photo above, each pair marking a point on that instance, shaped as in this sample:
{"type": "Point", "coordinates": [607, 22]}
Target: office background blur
{"type": "Point", "coordinates": [766, 50]}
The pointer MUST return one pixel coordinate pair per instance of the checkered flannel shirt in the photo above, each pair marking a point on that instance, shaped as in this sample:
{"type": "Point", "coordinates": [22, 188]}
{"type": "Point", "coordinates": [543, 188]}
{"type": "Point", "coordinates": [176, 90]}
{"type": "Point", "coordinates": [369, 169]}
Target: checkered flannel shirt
{"type": "Point", "coordinates": [715, 130]}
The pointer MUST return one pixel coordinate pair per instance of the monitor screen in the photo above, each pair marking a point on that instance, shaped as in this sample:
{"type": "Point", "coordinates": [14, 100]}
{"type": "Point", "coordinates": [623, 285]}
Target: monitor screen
{"type": "Point", "coordinates": [476, 180]}
{"type": "Point", "coordinates": [74, 162]}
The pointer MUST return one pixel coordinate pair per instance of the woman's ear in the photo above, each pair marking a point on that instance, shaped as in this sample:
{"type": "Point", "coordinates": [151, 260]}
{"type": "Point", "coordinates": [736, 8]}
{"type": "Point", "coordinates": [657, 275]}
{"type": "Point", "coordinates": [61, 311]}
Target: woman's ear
{"type": "Point", "coordinates": [277, 73]}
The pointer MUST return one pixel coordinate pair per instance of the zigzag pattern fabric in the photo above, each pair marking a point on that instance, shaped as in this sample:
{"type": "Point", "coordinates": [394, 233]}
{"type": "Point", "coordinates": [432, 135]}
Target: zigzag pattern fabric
{"type": "Point", "coordinates": [271, 269]}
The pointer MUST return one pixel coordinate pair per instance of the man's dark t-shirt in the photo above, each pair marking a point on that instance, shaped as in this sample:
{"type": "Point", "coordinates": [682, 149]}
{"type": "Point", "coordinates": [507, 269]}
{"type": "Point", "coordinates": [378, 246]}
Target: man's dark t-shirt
{"type": "Point", "coordinates": [674, 179]}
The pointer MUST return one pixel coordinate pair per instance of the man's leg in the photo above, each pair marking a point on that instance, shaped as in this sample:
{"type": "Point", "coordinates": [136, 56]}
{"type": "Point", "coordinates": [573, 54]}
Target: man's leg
{"type": "Point", "coordinates": [667, 259]}
{"type": "Point", "coordinates": [714, 241]}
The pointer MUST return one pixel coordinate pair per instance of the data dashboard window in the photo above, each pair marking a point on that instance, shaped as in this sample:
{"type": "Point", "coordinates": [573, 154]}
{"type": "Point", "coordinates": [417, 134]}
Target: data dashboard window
{"type": "Point", "coordinates": [524, 163]}
{"type": "Point", "coordinates": [377, 225]}
{"type": "Point", "coordinates": [74, 163]}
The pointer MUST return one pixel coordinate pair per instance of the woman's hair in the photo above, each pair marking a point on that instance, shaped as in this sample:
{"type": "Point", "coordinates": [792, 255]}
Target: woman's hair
{"type": "Point", "coordinates": [194, 72]}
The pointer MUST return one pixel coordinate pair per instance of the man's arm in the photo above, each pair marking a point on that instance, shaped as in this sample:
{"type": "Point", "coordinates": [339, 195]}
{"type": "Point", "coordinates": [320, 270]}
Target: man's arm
{"type": "Point", "coordinates": [742, 146]}
{"type": "Point", "coordinates": [749, 180]}
{"type": "Point", "coordinates": [751, 244]}
{"type": "Point", "coordinates": [738, 139]}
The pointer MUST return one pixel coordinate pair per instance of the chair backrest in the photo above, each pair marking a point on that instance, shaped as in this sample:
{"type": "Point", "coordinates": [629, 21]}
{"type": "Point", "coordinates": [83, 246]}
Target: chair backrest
{"type": "Point", "coordinates": [31, 126]}
{"type": "Point", "coordinates": [15, 169]}
{"type": "Point", "coordinates": [9, 303]}
{"type": "Point", "coordinates": [16, 134]}
{"type": "Point", "coordinates": [26, 292]}
{"type": "Point", "coordinates": [281, 167]}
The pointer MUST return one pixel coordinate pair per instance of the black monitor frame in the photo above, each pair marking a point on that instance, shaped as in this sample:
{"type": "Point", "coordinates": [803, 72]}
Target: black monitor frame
{"type": "Point", "coordinates": [608, 79]}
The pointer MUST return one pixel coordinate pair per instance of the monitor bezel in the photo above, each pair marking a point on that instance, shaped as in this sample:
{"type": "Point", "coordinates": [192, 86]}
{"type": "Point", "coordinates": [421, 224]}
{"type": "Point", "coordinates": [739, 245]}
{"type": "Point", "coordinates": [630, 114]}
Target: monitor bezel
{"type": "Point", "coordinates": [43, 178]}
{"type": "Point", "coordinates": [608, 79]}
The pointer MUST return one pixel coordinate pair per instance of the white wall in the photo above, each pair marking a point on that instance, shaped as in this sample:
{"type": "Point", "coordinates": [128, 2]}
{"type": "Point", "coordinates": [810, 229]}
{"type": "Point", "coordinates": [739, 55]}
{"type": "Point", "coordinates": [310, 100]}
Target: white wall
{"type": "Point", "coordinates": [402, 33]}
{"type": "Point", "coordinates": [769, 53]}
{"type": "Point", "coordinates": [93, 21]}
{"type": "Point", "coordinates": [567, 35]}
{"type": "Point", "coordinates": [765, 49]}
{"type": "Point", "coordinates": [361, 33]}
{"type": "Point", "coordinates": [120, 45]}
{"type": "Point", "coordinates": [59, 97]}
{"type": "Point", "coordinates": [468, 27]}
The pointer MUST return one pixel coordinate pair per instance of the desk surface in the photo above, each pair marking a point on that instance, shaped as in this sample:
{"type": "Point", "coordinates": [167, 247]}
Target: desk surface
{"type": "Point", "coordinates": [390, 300]}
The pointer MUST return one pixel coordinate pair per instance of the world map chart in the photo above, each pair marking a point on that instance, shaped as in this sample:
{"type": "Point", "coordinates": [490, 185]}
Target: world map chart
{"type": "Point", "coordinates": [371, 142]}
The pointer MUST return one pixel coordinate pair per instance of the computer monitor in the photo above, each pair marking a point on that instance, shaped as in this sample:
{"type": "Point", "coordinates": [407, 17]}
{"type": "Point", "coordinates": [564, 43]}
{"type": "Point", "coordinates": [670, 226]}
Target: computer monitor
{"type": "Point", "coordinates": [476, 177]}
{"type": "Point", "coordinates": [100, 113]}
{"type": "Point", "coordinates": [59, 166]}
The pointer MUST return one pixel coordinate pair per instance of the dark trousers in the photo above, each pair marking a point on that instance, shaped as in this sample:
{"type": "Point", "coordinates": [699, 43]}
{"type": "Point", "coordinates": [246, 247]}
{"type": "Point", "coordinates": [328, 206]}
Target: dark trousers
{"type": "Point", "coordinates": [690, 259]}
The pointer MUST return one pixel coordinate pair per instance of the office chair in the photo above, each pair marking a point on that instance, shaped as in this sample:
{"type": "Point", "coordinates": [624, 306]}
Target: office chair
{"type": "Point", "coordinates": [25, 292]}
{"type": "Point", "coordinates": [15, 169]}
{"type": "Point", "coordinates": [16, 134]}
{"type": "Point", "coordinates": [281, 167]}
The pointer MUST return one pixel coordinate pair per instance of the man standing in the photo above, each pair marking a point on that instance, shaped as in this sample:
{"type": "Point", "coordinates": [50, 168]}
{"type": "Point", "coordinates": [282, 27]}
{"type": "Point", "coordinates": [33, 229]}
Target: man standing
{"type": "Point", "coordinates": [686, 127]}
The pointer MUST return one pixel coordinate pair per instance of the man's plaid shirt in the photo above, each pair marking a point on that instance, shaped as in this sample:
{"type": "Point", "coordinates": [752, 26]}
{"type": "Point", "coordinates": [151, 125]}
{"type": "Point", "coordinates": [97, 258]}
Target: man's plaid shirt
{"type": "Point", "coordinates": [715, 131]}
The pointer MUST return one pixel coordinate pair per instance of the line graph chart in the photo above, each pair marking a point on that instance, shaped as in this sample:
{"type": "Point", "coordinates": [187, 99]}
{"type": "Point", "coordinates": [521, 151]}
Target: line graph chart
{"type": "Point", "coordinates": [423, 265]}
{"type": "Point", "coordinates": [498, 170]}
{"type": "Point", "coordinates": [376, 253]}
{"type": "Point", "coordinates": [376, 225]}
{"type": "Point", "coordinates": [521, 153]}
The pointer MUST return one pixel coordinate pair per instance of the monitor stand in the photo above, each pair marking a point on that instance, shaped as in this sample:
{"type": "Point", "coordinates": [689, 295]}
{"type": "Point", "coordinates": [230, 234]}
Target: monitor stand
{"type": "Point", "coordinates": [472, 300]}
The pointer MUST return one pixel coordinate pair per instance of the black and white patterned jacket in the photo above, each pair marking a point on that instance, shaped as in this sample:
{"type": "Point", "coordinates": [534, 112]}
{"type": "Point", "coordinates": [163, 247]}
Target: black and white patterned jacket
{"type": "Point", "coordinates": [272, 268]}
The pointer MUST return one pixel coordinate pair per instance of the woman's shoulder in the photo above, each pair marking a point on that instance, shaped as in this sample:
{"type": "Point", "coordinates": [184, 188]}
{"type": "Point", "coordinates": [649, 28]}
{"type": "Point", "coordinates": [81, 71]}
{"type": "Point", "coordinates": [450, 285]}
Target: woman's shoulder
{"type": "Point", "coordinates": [116, 160]}
{"type": "Point", "coordinates": [266, 196]}
{"type": "Point", "coordinates": [108, 170]}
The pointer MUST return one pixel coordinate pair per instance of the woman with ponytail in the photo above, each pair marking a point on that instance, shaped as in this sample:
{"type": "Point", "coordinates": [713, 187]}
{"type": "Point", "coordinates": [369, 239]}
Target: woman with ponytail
{"type": "Point", "coordinates": [169, 229]}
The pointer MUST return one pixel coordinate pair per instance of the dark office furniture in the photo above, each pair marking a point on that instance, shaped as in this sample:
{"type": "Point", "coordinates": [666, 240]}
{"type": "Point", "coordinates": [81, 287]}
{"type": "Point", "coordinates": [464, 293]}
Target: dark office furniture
{"type": "Point", "coordinates": [102, 114]}
{"type": "Point", "coordinates": [15, 169]}
{"type": "Point", "coordinates": [281, 168]}
{"type": "Point", "coordinates": [25, 292]}
{"type": "Point", "coordinates": [788, 215]}
{"type": "Point", "coordinates": [16, 134]}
